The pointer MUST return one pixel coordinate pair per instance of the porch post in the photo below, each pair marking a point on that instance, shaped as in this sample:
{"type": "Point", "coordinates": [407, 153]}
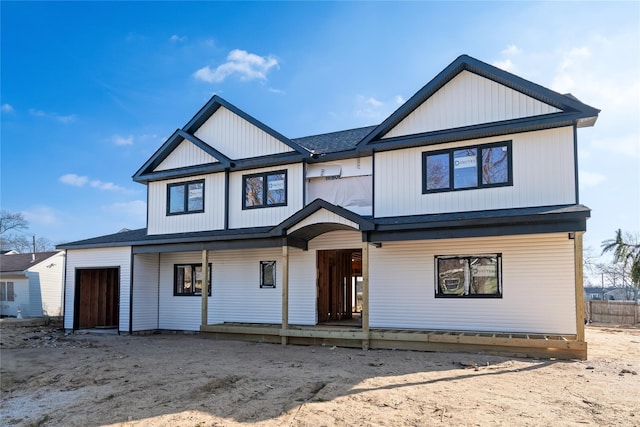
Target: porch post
{"type": "Point", "coordinates": [365, 292]}
{"type": "Point", "coordinates": [205, 288]}
{"type": "Point", "coordinates": [577, 250]}
{"type": "Point", "coordinates": [285, 292]}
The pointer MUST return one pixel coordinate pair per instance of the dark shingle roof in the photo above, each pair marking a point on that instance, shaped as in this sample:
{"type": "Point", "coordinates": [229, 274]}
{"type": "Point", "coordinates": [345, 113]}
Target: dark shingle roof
{"type": "Point", "coordinates": [335, 141]}
{"type": "Point", "coordinates": [21, 262]}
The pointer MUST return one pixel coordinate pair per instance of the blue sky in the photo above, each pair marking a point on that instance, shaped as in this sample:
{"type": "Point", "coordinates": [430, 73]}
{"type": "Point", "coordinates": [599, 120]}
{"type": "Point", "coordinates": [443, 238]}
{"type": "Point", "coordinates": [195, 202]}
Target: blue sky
{"type": "Point", "coordinates": [91, 89]}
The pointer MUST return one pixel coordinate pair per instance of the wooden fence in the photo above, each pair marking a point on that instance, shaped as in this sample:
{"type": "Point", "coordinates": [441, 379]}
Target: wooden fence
{"type": "Point", "coordinates": [615, 312]}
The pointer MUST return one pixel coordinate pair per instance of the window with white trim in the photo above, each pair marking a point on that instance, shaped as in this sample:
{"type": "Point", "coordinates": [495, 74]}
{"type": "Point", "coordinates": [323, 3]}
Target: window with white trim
{"type": "Point", "coordinates": [471, 276]}
{"type": "Point", "coordinates": [463, 168]}
{"type": "Point", "coordinates": [185, 197]}
{"type": "Point", "coordinates": [6, 291]}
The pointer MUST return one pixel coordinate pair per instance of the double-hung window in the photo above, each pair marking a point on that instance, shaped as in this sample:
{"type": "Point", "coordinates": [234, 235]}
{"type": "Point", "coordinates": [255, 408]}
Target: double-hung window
{"type": "Point", "coordinates": [188, 279]}
{"type": "Point", "coordinates": [263, 190]}
{"type": "Point", "coordinates": [471, 276]}
{"type": "Point", "coordinates": [479, 166]}
{"type": "Point", "coordinates": [185, 197]}
{"type": "Point", "coordinates": [6, 291]}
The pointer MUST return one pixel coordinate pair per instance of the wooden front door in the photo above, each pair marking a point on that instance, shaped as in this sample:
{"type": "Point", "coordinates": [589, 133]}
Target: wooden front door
{"type": "Point", "coordinates": [334, 274]}
{"type": "Point", "coordinates": [96, 304]}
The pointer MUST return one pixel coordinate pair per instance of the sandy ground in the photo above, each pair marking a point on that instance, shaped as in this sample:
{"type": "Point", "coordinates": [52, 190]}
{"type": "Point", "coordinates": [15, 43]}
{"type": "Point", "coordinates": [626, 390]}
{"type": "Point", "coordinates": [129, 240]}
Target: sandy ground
{"type": "Point", "coordinates": [87, 379]}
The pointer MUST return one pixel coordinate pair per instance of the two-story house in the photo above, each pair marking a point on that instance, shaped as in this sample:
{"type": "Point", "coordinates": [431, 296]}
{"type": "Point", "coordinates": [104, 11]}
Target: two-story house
{"type": "Point", "coordinates": [454, 225]}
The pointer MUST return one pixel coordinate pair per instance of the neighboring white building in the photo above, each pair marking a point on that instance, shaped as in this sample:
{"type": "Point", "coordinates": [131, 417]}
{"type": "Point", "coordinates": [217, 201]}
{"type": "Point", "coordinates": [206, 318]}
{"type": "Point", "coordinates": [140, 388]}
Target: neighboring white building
{"type": "Point", "coordinates": [454, 222]}
{"type": "Point", "coordinates": [31, 284]}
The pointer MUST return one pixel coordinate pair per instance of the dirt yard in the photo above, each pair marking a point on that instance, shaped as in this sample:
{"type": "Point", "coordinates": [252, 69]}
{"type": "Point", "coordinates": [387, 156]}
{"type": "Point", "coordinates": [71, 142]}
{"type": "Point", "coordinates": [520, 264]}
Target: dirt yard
{"type": "Point", "coordinates": [88, 379]}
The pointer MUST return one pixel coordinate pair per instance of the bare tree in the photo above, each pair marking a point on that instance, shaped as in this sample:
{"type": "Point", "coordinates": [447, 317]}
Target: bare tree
{"type": "Point", "coordinates": [10, 221]}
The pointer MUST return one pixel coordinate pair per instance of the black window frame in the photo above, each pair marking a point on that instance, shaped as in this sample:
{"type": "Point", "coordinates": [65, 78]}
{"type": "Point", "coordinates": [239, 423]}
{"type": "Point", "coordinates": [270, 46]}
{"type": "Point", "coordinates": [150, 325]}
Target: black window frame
{"type": "Point", "coordinates": [264, 176]}
{"type": "Point", "coordinates": [465, 295]}
{"type": "Point", "coordinates": [479, 185]}
{"type": "Point", "coordinates": [193, 267]}
{"type": "Point", "coordinates": [264, 264]}
{"type": "Point", "coordinates": [185, 201]}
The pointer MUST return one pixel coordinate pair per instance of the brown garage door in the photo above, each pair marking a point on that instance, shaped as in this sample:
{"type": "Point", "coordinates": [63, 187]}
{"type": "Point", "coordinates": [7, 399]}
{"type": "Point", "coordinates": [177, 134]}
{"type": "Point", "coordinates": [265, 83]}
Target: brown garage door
{"type": "Point", "coordinates": [96, 298]}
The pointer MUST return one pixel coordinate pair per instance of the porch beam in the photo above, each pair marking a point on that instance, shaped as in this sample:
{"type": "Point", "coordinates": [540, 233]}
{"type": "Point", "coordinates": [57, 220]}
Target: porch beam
{"type": "Point", "coordinates": [205, 288]}
{"type": "Point", "coordinates": [579, 285]}
{"type": "Point", "coordinates": [285, 292]}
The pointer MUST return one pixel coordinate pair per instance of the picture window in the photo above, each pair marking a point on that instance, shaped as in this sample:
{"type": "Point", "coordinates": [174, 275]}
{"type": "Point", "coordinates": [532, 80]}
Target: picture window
{"type": "Point", "coordinates": [188, 279]}
{"type": "Point", "coordinates": [473, 276]}
{"type": "Point", "coordinates": [481, 166]}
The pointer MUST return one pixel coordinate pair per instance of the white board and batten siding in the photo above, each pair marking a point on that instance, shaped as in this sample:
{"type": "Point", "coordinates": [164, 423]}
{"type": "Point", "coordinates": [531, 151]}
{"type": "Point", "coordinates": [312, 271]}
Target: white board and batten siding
{"type": "Point", "coordinates": [184, 155]}
{"type": "Point", "coordinates": [146, 292]}
{"type": "Point", "coordinates": [211, 219]}
{"type": "Point", "coordinates": [236, 295]}
{"type": "Point", "coordinates": [538, 285]}
{"type": "Point", "coordinates": [543, 175]}
{"type": "Point", "coordinates": [469, 99]}
{"type": "Point", "coordinates": [118, 257]}
{"type": "Point", "coordinates": [269, 216]}
{"type": "Point", "coordinates": [237, 138]}
{"type": "Point", "coordinates": [302, 273]}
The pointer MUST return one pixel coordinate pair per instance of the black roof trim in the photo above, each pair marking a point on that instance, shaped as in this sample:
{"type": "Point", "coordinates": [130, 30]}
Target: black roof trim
{"type": "Point", "coordinates": [313, 207]}
{"type": "Point", "coordinates": [459, 224]}
{"type": "Point", "coordinates": [568, 104]}
{"type": "Point", "coordinates": [539, 214]}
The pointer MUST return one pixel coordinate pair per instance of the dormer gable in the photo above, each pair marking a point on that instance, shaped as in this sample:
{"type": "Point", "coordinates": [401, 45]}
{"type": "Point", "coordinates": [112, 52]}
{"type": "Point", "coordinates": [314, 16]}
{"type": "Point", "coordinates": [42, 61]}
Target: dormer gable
{"type": "Point", "coordinates": [471, 99]}
{"type": "Point", "coordinates": [181, 154]}
{"type": "Point", "coordinates": [237, 134]}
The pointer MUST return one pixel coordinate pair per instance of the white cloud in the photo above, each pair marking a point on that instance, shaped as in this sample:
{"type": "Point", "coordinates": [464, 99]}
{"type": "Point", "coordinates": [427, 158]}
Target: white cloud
{"type": "Point", "coordinates": [44, 215]}
{"type": "Point", "coordinates": [511, 49]}
{"type": "Point", "coordinates": [55, 116]}
{"type": "Point", "coordinates": [590, 179]}
{"type": "Point", "coordinates": [176, 38]}
{"type": "Point", "coordinates": [7, 108]}
{"type": "Point", "coordinates": [374, 109]}
{"type": "Point", "coordinates": [278, 91]}
{"type": "Point", "coordinates": [247, 65]}
{"type": "Point", "coordinates": [626, 145]}
{"type": "Point", "coordinates": [80, 181]}
{"type": "Point", "coordinates": [107, 186]}
{"type": "Point", "coordinates": [505, 64]}
{"type": "Point", "coordinates": [122, 140]}
{"type": "Point", "coordinates": [74, 180]}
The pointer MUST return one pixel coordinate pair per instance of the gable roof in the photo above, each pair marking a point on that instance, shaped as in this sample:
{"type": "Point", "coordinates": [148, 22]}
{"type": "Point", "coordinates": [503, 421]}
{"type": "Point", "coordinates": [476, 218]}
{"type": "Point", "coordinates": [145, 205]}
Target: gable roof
{"type": "Point", "coordinates": [22, 262]}
{"type": "Point", "coordinates": [216, 102]}
{"type": "Point", "coordinates": [147, 170]}
{"type": "Point", "coordinates": [572, 111]}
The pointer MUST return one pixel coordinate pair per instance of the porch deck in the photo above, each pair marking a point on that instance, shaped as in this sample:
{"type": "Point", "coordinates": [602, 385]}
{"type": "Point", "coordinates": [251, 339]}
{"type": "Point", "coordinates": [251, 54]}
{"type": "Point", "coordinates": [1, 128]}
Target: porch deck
{"type": "Point", "coordinates": [499, 343]}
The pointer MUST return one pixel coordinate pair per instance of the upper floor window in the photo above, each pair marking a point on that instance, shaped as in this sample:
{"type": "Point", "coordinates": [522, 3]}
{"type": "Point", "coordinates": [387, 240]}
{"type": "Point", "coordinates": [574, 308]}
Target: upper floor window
{"type": "Point", "coordinates": [479, 166]}
{"type": "Point", "coordinates": [262, 190]}
{"type": "Point", "coordinates": [185, 197]}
